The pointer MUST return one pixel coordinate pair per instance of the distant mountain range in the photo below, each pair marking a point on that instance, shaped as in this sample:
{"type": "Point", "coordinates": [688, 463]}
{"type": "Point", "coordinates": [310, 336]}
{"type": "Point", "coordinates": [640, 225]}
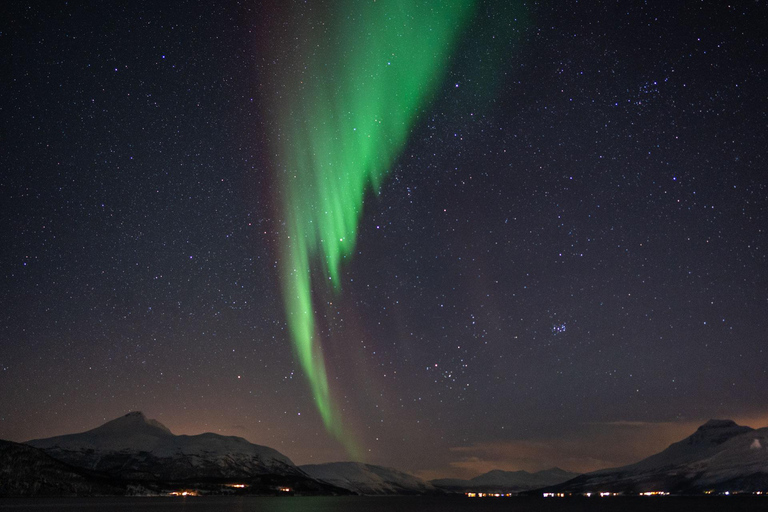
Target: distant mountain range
{"type": "Point", "coordinates": [719, 457]}
{"type": "Point", "coordinates": [368, 479]}
{"type": "Point", "coordinates": [136, 455]}
{"type": "Point", "coordinates": [505, 481]}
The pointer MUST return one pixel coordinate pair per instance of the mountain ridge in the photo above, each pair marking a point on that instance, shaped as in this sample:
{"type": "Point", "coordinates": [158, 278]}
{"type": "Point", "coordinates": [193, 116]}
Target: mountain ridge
{"type": "Point", "coordinates": [134, 419]}
{"type": "Point", "coordinates": [498, 480]}
{"type": "Point", "coordinates": [719, 456]}
{"type": "Point", "coordinates": [369, 479]}
{"type": "Point", "coordinates": [135, 448]}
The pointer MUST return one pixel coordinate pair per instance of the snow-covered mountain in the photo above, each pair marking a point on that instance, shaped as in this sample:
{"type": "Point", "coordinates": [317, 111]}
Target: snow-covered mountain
{"type": "Point", "coordinates": [720, 456]}
{"type": "Point", "coordinates": [368, 479]}
{"type": "Point", "coordinates": [136, 448]}
{"type": "Point", "coordinates": [505, 481]}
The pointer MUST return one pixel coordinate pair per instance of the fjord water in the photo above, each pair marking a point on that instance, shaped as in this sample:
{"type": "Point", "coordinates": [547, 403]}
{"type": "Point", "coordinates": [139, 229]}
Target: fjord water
{"type": "Point", "coordinates": [387, 504]}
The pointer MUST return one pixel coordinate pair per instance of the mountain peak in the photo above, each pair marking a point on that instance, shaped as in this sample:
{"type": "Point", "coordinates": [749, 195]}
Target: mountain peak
{"type": "Point", "coordinates": [134, 420]}
{"type": "Point", "coordinates": [554, 471]}
{"type": "Point", "coordinates": [503, 472]}
{"type": "Point", "coordinates": [715, 424]}
{"type": "Point", "coordinates": [715, 432]}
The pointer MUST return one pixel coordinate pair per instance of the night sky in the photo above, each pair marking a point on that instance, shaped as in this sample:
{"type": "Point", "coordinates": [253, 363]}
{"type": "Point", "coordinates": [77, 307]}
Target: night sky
{"type": "Point", "coordinates": [564, 263]}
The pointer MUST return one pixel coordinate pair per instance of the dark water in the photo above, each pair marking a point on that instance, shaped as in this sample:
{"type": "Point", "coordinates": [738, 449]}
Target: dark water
{"type": "Point", "coordinates": [398, 504]}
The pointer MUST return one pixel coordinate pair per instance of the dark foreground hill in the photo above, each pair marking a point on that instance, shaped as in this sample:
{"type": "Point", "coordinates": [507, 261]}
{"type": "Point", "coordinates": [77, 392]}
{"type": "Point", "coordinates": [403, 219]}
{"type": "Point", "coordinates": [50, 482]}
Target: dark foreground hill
{"type": "Point", "coordinates": [28, 471]}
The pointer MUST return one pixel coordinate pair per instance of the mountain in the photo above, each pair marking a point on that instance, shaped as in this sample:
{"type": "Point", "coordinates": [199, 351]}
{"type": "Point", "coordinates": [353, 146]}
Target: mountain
{"type": "Point", "coordinates": [720, 456]}
{"type": "Point", "coordinates": [134, 448]}
{"type": "Point", "coordinates": [28, 471]}
{"type": "Point", "coordinates": [505, 481]}
{"type": "Point", "coordinates": [368, 479]}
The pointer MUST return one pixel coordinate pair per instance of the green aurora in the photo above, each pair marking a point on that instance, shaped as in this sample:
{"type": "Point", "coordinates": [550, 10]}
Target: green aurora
{"type": "Point", "coordinates": [362, 73]}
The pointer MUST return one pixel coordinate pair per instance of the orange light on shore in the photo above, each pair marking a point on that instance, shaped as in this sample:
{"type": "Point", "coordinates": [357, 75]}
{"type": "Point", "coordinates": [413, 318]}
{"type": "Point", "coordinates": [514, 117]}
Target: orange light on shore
{"type": "Point", "coordinates": [183, 493]}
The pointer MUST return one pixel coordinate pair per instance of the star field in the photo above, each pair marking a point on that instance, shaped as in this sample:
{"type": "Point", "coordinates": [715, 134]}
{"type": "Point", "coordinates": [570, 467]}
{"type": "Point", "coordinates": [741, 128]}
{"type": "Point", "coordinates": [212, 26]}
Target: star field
{"type": "Point", "coordinates": [568, 252]}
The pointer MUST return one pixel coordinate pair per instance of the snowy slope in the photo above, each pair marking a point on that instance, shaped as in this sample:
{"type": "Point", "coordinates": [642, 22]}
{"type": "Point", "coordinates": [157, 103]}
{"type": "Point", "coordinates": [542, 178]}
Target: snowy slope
{"type": "Point", "coordinates": [139, 448]}
{"type": "Point", "coordinates": [506, 481]}
{"type": "Point", "coordinates": [719, 456]}
{"type": "Point", "coordinates": [368, 479]}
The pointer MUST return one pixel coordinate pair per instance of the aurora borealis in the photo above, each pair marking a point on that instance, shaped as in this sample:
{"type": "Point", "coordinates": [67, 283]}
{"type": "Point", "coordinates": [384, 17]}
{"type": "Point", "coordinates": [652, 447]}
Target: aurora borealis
{"type": "Point", "coordinates": [507, 235]}
{"type": "Point", "coordinates": [343, 118]}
